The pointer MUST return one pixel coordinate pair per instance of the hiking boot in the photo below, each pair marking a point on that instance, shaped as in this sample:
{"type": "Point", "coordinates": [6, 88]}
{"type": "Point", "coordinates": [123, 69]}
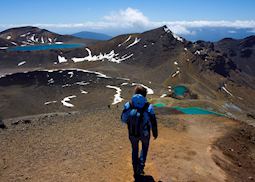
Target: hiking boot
{"type": "Point", "coordinates": [137, 177]}
{"type": "Point", "coordinates": [141, 171]}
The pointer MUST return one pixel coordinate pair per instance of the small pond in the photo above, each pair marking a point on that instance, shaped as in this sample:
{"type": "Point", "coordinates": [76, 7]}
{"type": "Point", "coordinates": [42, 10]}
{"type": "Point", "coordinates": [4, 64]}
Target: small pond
{"type": "Point", "coordinates": [180, 90]}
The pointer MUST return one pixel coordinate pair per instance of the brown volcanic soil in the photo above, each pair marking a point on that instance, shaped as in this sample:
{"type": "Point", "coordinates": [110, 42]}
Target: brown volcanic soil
{"type": "Point", "coordinates": [93, 146]}
{"type": "Point", "coordinates": [239, 147]}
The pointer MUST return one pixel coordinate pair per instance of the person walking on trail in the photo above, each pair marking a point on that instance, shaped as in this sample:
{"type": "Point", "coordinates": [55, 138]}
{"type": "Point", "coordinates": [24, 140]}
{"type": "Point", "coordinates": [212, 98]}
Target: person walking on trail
{"type": "Point", "coordinates": [140, 118]}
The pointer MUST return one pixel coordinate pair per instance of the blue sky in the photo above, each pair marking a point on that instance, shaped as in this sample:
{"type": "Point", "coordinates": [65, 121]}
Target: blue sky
{"type": "Point", "coordinates": [118, 16]}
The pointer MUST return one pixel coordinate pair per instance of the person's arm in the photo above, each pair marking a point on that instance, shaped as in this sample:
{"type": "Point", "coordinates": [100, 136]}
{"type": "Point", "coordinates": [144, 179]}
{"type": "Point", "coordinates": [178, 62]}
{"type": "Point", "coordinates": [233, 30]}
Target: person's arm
{"type": "Point", "coordinates": [153, 121]}
{"type": "Point", "coordinates": [125, 113]}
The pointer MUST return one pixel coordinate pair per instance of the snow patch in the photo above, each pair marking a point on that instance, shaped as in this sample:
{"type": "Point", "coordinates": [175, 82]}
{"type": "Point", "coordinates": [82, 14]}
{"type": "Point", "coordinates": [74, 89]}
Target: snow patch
{"type": "Point", "coordinates": [66, 100]}
{"type": "Point", "coordinates": [176, 63]}
{"type": "Point", "coordinates": [240, 98]}
{"type": "Point", "coordinates": [8, 37]}
{"type": "Point", "coordinates": [169, 88]}
{"type": "Point", "coordinates": [66, 85]}
{"type": "Point", "coordinates": [42, 40]}
{"type": "Point", "coordinates": [197, 52]}
{"type": "Point", "coordinates": [177, 37]}
{"type": "Point", "coordinates": [167, 30]}
{"type": "Point", "coordinates": [24, 35]}
{"type": "Point", "coordinates": [176, 73]}
{"type": "Point", "coordinates": [61, 59]}
{"type": "Point", "coordinates": [163, 95]}
{"type": "Point", "coordinates": [227, 91]}
{"type": "Point", "coordinates": [125, 41]}
{"type": "Point", "coordinates": [111, 57]}
{"type": "Point", "coordinates": [14, 43]}
{"type": "Point", "coordinates": [50, 102]}
{"type": "Point", "coordinates": [135, 42]}
{"type": "Point", "coordinates": [232, 107]}
{"type": "Point", "coordinates": [32, 38]}
{"type": "Point", "coordinates": [82, 83]}
{"type": "Point", "coordinates": [21, 63]}
{"type": "Point", "coordinates": [123, 84]}
{"type": "Point", "coordinates": [84, 92]}
{"type": "Point", "coordinates": [117, 96]}
{"type": "Point", "coordinates": [149, 90]}
{"type": "Point", "coordinates": [70, 73]}
{"type": "Point", "coordinates": [3, 48]}
{"type": "Point", "coordinates": [51, 81]}
{"type": "Point", "coordinates": [26, 43]}
{"type": "Point", "coordinates": [120, 78]}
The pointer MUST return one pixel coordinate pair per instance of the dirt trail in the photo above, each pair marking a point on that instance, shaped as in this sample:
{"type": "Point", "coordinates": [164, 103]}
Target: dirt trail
{"type": "Point", "coordinates": [93, 146]}
{"type": "Point", "coordinates": [187, 148]}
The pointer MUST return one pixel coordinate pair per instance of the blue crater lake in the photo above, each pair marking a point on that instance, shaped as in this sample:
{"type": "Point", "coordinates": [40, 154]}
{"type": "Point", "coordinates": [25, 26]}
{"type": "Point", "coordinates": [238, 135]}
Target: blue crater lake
{"type": "Point", "coordinates": [45, 47]}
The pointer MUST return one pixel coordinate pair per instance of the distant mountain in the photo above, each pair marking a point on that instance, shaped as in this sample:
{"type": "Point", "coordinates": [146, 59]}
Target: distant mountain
{"type": "Point", "coordinates": [92, 35]}
{"type": "Point", "coordinates": [214, 34]}
{"type": "Point", "coordinates": [33, 35]}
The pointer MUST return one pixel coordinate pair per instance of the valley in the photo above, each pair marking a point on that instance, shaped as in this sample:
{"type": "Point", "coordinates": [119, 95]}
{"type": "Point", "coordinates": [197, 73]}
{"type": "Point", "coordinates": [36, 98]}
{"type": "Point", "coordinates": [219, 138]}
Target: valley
{"type": "Point", "coordinates": [62, 106]}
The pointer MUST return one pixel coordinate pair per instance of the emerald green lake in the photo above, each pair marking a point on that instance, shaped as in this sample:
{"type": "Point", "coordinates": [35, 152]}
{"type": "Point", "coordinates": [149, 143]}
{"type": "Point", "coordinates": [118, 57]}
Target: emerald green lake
{"type": "Point", "coordinates": [180, 90]}
{"type": "Point", "coordinates": [194, 110]}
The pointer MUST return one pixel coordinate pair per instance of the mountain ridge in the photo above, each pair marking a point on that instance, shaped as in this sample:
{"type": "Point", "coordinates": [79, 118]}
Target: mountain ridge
{"type": "Point", "coordinates": [92, 35]}
{"type": "Point", "coordinates": [29, 35]}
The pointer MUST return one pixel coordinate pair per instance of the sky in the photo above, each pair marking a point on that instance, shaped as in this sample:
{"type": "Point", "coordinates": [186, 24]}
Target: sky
{"type": "Point", "coordinates": [125, 16]}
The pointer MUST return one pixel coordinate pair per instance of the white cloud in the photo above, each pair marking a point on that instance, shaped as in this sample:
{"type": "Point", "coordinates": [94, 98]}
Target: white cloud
{"type": "Point", "coordinates": [128, 17]}
{"type": "Point", "coordinates": [130, 20]}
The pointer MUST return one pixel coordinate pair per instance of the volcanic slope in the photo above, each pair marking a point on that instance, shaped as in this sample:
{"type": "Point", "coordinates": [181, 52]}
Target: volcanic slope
{"type": "Point", "coordinates": [33, 35]}
{"type": "Point", "coordinates": [242, 52]}
{"type": "Point", "coordinates": [157, 57]}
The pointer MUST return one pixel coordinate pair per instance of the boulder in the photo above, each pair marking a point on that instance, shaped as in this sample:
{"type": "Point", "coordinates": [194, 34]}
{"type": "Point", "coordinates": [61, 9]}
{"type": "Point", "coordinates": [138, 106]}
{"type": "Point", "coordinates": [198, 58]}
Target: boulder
{"type": "Point", "coordinates": [2, 125]}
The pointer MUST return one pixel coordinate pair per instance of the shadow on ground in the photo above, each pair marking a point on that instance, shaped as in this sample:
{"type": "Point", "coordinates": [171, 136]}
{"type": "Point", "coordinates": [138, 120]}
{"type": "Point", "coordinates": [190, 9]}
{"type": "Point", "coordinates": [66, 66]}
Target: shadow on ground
{"type": "Point", "coordinates": [145, 179]}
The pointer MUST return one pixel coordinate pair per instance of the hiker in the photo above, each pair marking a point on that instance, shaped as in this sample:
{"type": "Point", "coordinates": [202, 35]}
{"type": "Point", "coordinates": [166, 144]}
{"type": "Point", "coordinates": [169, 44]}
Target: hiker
{"type": "Point", "coordinates": [139, 116]}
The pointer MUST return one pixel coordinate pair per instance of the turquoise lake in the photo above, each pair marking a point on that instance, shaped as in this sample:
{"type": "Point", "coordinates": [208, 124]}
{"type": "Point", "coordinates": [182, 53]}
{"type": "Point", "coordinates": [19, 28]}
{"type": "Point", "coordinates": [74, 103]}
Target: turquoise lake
{"type": "Point", "coordinates": [45, 47]}
{"type": "Point", "coordinates": [195, 110]}
{"type": "Point", "coordinates": [180, 90]}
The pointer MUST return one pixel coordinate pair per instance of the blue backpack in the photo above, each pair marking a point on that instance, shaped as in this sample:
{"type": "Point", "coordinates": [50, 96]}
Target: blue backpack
{"type": "Point", "coordinates": [138, 106]}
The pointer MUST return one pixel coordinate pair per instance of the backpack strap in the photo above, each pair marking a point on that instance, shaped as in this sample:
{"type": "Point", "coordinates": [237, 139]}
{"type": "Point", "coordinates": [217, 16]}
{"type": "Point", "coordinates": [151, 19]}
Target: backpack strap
{"type": "Point", "coordinates": [131, 105]}
{"type": "Point", "coordinates": [145, 107]}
